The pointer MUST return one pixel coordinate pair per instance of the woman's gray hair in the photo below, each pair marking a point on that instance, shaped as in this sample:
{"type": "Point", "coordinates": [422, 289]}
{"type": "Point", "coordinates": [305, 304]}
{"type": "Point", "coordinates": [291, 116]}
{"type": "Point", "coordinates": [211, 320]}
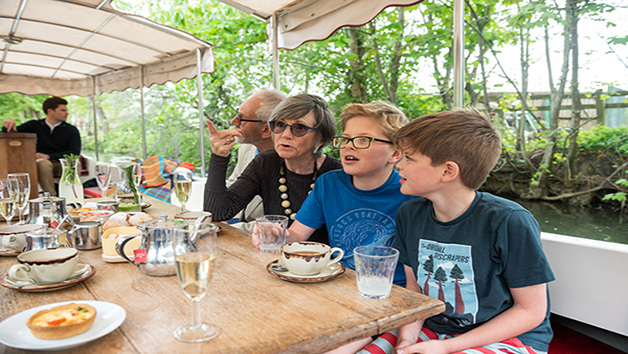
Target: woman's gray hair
{"type": "Point", "coordinates": [295, 107]}
{"type": "Point", "coordinates": [269, 99]}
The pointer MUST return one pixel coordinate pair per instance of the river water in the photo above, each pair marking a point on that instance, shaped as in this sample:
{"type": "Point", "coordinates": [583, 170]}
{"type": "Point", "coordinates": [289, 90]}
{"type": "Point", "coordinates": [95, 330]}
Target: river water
{"type": "Point", "coordinates": [591, 223]}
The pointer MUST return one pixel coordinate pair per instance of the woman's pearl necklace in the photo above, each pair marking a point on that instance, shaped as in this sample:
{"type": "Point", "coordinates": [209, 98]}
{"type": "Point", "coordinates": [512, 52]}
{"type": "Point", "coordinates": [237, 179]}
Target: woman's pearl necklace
{"type": "Point", "coordinates": [283, 189]}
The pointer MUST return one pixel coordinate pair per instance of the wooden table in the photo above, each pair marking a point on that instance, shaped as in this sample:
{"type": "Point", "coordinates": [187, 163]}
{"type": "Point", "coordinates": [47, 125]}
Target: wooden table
{"type": "Point", "coordinates": [256, 312]}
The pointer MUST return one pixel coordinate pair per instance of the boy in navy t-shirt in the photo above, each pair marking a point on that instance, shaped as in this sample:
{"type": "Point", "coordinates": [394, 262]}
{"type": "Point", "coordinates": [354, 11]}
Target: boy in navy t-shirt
{"type": "Point", "coordinates": [479, 254]}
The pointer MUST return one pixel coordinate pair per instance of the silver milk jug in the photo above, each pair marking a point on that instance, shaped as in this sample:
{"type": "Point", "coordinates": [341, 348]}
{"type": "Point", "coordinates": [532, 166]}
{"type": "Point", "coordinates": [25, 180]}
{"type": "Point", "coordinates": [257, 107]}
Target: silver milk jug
{"type": "Point", "coordinates": [50, 212]}
{"type": "Point", "coordinates": [155, 256]}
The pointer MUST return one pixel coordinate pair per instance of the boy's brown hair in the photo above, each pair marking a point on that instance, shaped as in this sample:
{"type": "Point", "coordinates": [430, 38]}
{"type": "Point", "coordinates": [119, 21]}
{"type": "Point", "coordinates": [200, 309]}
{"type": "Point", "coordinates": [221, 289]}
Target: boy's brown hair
{"type": "Point", "coordinates": [464, 136]}
{"type": "Point", "coordinates": [389, 118]}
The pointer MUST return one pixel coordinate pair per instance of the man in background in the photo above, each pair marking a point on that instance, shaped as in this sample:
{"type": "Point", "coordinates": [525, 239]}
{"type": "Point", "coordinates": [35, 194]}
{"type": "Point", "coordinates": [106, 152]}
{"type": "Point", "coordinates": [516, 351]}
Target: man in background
{"type": "Point", "coordinates": [55, 138]}
{"type": "Point", "coordinates": [254, 136]}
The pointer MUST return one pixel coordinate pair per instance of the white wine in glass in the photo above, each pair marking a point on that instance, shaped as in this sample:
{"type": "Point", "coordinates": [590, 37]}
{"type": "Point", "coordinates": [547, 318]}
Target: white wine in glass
{"type": "Point", "coordinates": [7, 205]}
{"type": "Point", "coordinates": [19, 190]}
{"type": "Point", "coordinates": [103, 177]}
{"type": "Point", "coordinates": [195, 259]}
{"type": "Point", "coordinates": [183, 187]}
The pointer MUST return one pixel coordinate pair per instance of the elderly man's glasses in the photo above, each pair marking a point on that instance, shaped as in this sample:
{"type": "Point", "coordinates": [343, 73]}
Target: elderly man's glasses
{"type": "Point", "coordinates": [359, 142]}
{"type": "Point", "coordinates": [297, 129]}
{"type": "Point", "coordinates": [239, 119]}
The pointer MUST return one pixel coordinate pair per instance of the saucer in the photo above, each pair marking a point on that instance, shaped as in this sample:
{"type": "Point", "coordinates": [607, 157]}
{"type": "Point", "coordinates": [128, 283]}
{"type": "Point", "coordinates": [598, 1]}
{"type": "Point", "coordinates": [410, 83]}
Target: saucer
{"type": "Point", "coordinates": [330, 272]}
{"type": "Point", "coordinates": [81, 273]}
{"type": "Point", "coordinates": [4, 252]}
{"type": "Point", "coordinates": [145, 205]}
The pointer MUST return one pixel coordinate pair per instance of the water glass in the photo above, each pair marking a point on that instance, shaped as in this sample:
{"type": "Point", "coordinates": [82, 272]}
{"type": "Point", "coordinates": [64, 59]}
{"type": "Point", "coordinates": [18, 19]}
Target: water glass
{"type": "Point", "coordinates": [103, 177]}
{"type": "Point", "coordinates": [271, 232]}
{"type": "Point", "coordinates": [374, 270]}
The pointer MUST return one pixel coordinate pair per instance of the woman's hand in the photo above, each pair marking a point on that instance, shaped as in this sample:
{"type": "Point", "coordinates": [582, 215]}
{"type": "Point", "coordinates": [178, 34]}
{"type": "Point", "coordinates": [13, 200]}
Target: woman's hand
{"type": "Point", "coordinates": [221, 141]}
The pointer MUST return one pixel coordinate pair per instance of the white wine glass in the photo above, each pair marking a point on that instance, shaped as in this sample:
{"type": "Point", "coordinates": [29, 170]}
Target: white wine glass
{"type": "Point", "coordinates": [195, 255]}
{"type": "Point", "coordinates": [183, 186]}
{"type": "Point", "coordinates": [7, 204]}
{"type": "Point", "coordinates": [19, 190]}
{"type": "Point", "coordinates": [103, 177]}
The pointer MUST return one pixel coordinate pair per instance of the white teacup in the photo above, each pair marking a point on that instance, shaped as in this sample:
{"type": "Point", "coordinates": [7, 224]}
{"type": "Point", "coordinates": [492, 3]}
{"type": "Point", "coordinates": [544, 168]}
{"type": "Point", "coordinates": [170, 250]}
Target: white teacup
{"type": "Point", "coordinates": [14, 237]}
{"type": "Point", "coordinates": [48, 265]}
{"type": "Point", "coordinates": [308, 258]}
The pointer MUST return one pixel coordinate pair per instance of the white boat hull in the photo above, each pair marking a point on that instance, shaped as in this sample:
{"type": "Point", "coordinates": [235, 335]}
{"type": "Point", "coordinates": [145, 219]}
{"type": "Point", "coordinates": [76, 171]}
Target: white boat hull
{"type": "Point", "coordinates": [591, 283]}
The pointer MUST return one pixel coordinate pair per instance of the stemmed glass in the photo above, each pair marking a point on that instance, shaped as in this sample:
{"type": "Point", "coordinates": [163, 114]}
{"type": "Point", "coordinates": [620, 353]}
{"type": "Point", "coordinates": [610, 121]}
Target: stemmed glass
{"type": "Point", "coordinates": [7, 204]}
{"type": "Point", "coordinates": [103, 177]}
{"type": "Point", "coordinates": [195, 259]}
{"type": "Point", "coordinates": [137, 180]}
{"type": "Point", "coordinates": [19, 190]}
{"type": "Point", "coordinates": [183, 186]}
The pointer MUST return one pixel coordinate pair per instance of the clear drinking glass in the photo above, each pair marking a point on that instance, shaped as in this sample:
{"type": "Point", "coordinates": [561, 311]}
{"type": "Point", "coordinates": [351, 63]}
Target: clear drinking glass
{"type": "Point", "coordinates": [183, 186]}
{"type": "Point", "coordinates": [19, 190]}
{"type": "Point", "coordinates": [374, 270]}
{"type": "Point", "coordinates": [103, 177]}
{"type": "Point", "coordinates": [7, 204]}
{"type": "Point", "coordinates": [195, 254]}
{"type": "Point", "coordinates": [137, 179]}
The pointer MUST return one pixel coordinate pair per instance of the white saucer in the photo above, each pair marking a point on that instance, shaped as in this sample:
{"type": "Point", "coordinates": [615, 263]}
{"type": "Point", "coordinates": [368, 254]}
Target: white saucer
{"type": "Point", "coordinates": [4, 252]}
{"type": "Point", "coordinates": [81, 273]}
{"type": "Point", "coordinates": [332, 271]}
{"type": "Point", "coordinates": [15, 334]}
{"type": "Point", "coordinates": [117, 259]}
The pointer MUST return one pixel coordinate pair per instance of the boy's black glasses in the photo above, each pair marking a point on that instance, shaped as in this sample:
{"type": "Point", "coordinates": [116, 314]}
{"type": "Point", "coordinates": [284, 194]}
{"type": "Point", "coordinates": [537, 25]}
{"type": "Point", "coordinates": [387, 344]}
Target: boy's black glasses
{"type": "Point", "coordinates": [297, 129]}
{"type": "Point", "coordinates": [359, 142]}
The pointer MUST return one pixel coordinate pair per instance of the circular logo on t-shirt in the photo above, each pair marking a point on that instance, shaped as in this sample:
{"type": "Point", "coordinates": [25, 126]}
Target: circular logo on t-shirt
{"type": "Point", "coordinates": [361, 227]}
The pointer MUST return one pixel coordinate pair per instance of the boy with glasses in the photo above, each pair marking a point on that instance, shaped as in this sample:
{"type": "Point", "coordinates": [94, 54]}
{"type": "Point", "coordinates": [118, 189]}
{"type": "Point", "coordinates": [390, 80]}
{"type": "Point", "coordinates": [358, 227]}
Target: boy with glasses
{"type": "Point", "coordinates": [358, 203]}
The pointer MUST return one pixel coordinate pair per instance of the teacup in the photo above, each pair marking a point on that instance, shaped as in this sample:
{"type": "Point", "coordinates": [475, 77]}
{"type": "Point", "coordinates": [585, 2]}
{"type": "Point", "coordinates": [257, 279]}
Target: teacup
{"type": "Point", "coordinates": [308, 258]}
{"type": "Point", "coordinates": [14, 237]}
{"type": "Point", "coordinates": [191, 217]}
{"type": "Point", "coordinates": [48, 265]}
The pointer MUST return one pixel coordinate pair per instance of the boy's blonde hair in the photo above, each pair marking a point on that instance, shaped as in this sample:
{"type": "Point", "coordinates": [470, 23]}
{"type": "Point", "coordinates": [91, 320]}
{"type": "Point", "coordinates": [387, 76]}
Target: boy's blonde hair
{"type": "Point", "coordinates": [389, 118]}
{"type": "Point", "coordinates": [464, 136]}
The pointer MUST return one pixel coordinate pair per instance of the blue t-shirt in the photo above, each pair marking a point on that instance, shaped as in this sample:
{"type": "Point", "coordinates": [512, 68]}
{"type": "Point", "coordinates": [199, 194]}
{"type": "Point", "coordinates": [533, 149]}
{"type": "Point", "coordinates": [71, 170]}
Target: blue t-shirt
{"type": "Point", "coordinates": [470, 263]}
{"type": "Point", "coordinates": [354, 217]}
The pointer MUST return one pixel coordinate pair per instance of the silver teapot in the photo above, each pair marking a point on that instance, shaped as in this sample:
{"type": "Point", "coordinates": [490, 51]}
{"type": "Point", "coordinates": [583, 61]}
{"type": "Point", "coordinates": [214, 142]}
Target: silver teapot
{"type": "Point", "coordinates": [50, 212]}
{"type": "Point", "coordinates": [155, 256]}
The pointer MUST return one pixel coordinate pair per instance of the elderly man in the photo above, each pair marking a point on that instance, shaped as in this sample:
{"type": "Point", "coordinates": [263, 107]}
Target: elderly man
{"type": "Point", "coordinates": [55, 138]}
{"type": "Point", "coordinates": [254, 136]}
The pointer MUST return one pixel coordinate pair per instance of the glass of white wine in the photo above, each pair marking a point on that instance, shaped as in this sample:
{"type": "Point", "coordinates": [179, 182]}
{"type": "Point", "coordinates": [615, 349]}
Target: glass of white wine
{"type": "Point", "coordinates": [19, 190]}
{"type": "Point", "coordinates": [7, 204]}
{"type": "Point", "coordinates": [103, 177]}
{"type": "Point", "coordinates": [195, 254]}
{"type": "Point", "coordinates": [183, 186]}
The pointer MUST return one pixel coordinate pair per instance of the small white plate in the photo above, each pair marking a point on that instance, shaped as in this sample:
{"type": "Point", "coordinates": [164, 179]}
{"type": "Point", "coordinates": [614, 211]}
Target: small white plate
{"type": "Point", "coordinates": [15, 334]}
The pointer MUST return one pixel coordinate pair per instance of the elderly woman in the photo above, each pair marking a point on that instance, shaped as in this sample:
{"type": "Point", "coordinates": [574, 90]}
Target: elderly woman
{"type": "Point", "coordinates": [301, 126]}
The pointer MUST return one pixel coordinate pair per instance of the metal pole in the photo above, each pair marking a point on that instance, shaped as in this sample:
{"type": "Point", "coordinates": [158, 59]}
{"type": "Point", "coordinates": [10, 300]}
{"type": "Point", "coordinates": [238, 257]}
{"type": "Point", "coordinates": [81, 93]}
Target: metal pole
{"type": "Point", "coordinates": [458, 53]}
{"type": "Point", "coordinates": [275, 51]}
{"type": "Point", "coordinates": [95, 117]}
{"type": "Point", "coordinates": [201, 121]}
{"type": "Point", "coordinates": [143, 117]}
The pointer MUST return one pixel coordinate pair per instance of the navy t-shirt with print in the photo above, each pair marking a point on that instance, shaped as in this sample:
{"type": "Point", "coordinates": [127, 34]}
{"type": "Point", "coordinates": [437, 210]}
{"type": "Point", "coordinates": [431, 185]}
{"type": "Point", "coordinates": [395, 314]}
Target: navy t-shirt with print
{"type": "Point", "coordinates": [471, 262]}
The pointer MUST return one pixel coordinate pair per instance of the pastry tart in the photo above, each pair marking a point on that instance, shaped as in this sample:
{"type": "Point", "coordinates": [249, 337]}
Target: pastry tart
{"type": "Point", "coordinates": [62, 321]}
